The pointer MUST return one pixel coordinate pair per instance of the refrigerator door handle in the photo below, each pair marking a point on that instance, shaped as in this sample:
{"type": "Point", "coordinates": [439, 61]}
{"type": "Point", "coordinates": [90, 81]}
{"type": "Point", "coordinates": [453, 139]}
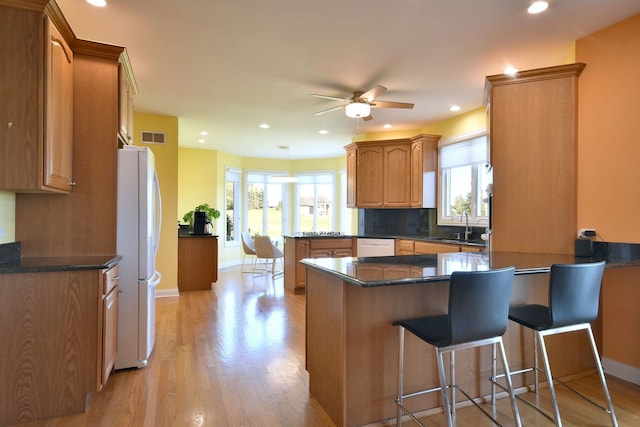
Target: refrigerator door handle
{"type": "Point", "coordinates": [158, 209]}
{"type": "Point", "coordinates": [155, 279]}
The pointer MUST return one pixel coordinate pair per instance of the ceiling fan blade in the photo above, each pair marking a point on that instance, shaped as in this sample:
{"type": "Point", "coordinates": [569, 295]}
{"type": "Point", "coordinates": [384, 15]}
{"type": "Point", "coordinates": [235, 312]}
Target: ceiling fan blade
{"type": "Point", "coordinates": [373, 93]}
{"type": "Point", "coordinates": [328, 110]}
{"type": "Point", "coordinates": [335, 98]}
{"type": "Point", "coordinates": [369, 117]}
{"type": "Point", "coordinates": [390, 104]}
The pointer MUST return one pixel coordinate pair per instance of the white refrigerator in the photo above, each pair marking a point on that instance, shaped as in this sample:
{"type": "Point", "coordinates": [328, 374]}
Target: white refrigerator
{"type": "Point", "coordinates": [138, 235]}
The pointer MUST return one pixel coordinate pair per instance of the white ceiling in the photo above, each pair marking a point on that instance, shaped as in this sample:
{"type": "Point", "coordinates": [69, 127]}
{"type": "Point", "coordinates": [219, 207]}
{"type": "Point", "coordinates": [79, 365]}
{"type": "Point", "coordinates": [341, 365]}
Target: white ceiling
{"type": "Point", "coordinates": [228, 66]}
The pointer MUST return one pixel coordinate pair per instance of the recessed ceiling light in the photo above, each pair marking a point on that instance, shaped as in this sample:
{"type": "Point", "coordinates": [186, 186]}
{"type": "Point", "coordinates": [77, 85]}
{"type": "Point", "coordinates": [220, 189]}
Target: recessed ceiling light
{"type": "Point", "coordinates": [204, 133]}
{"type": "Point", "coordinates": [265, 126]}
{"type": "Point", "coordinates": [510, 71]}
{"type": "Point", "coordinates": [201, 141]}
{"type": "Point", "coordinates": [537, 7]}
{"type": "Point", "coordinates": [387, 126]}
{"type": "Point", "coordinates": [98, 3]}
{"type": "Point", "coordinates": [323, 132]}
{"type": "Point", "coordinates": [454, 108]}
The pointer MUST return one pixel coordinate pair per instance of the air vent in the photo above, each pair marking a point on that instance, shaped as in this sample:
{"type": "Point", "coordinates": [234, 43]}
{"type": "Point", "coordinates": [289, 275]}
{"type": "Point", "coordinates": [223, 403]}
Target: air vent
{"type": "Point", "coordinates": [153, 137]}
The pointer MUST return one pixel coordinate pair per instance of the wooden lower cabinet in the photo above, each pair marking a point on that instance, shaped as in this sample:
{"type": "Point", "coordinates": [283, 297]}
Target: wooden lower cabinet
{"type": "Point", "coordinates": [296, 248]}
{"type": "Point", "coordinates": [435, 248]}
{"type": "Point", "coordinates": [197, 262]}
{"type": "Point", "coordinates": [110, 295]}
{"type": "Point", "coordinates": [62, 329]}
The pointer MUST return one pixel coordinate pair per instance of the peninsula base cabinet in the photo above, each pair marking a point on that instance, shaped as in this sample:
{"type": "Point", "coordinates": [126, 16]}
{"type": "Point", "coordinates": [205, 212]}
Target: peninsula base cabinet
{"type": "Point", "coordinates": [61, 343]}
{"type": "Point", "coordinates": [295, 249]}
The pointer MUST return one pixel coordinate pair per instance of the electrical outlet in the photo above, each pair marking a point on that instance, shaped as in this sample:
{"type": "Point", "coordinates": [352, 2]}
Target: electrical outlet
{"type": "Point", "coordinates": [587, 233]}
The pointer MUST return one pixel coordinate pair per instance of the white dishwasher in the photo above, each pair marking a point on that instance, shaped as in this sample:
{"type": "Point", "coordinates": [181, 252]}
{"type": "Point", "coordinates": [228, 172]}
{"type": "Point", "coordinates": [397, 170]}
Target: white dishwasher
{"type": "Point", "coordinates": [366, 246]}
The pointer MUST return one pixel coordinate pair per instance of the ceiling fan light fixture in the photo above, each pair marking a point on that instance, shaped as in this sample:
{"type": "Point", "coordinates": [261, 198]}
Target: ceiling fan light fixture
{"type": "Point", "coordinates": [537, 7]}
{"type": "Point", "coordinates": [358, 110]}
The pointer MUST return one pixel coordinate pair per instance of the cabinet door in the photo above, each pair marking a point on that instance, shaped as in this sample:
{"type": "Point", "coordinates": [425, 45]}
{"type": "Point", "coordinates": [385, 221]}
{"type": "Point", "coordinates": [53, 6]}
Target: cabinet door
{"type": "Point", "coordinates": [369, 177]}
{"type": "Point", "coordinates": [109, 332]}
{"type": "Point", "coordinates": [351, 176]}
{"type": "Point", "coordinates": [58, 144]}
{"type": "Point", "coordinates": [302, 251]}
{"type": "Point", "coordinates": [397, 176]}
{"type": "Point", "coordinates": [416, 174]}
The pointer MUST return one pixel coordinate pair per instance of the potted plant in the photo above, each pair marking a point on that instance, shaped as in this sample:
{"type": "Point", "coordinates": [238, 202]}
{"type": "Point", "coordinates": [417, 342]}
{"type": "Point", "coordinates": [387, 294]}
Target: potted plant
{"type": "Point", "coordinates": [211, 214]}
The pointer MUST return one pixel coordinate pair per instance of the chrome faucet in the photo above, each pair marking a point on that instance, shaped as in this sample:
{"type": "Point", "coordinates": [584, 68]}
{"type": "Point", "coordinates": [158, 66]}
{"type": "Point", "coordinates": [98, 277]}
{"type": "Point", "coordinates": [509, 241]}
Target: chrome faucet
{"type": "Point", "coordinates": [467, 230]}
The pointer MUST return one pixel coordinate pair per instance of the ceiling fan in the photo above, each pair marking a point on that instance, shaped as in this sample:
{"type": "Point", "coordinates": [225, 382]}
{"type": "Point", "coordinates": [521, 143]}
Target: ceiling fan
{"type": "Point", "coordinates": [359, 105]}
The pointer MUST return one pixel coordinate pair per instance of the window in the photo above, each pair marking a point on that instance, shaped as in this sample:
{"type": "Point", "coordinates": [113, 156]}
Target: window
{"type": "Point", "coordinates": [315, 207]}
{"type": "Point", "coordinates": [266, 204]}
{"type": "Point", "coordinates": [232, 204]}
{"type": "Point", "coordinates": [463, 179]}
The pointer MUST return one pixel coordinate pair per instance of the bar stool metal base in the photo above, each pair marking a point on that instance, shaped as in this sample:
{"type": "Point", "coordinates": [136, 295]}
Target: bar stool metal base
{"type": "Point", "coordinates": [538, 337]}
{"type": "Point", "coordinates": [449, 390]}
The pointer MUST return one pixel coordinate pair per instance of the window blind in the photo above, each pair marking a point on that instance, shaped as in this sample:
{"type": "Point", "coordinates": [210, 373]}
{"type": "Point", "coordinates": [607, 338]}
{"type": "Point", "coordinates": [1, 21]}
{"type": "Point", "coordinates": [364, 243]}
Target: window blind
{"type": "Point", "coordinates": [463, 153]}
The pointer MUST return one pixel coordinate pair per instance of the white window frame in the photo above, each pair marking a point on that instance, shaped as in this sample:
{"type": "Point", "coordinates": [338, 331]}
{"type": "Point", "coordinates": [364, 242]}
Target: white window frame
{"type": "Point", "coordinates": [311, 176]}
{"type": "Point", "coordinates": [479, 165]}
{"type": "Point", "coordinates": [233, 175]}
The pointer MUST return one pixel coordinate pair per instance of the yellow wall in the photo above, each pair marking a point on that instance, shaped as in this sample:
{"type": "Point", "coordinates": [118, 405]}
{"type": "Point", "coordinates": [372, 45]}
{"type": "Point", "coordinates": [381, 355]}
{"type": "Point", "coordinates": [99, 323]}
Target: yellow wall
{"type": "Point", "coordinates": [166, 156]}
{"type": "Point", "coordinates": [609, 131]}
{"type": "Point", "coordinates": [463, 123]}
{"type": "Point", "coordinates": [7, 217]}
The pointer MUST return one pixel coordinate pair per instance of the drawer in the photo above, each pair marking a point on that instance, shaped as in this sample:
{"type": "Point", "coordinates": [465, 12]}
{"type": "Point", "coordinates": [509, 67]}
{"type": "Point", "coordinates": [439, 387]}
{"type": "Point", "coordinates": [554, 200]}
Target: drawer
{"type": "Point", "coordinates": [331, 243]}
{"type": "Point", "coordinates": [110, 279]}
{"type": "Point", "coordinates": [435, 248]}
{"type": "Point", "coordinates": [405, 245]}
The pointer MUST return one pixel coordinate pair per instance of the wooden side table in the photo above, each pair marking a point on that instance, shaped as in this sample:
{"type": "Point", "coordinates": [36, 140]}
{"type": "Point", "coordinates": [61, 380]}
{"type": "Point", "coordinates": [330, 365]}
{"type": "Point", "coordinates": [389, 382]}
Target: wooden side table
{"type": "Point", "coordinates": [197, 261]}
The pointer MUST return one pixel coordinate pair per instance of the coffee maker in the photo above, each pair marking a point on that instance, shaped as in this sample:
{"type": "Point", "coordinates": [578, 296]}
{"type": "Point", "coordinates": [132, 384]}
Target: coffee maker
{"type": "Point", "coordinates": [199, 222]}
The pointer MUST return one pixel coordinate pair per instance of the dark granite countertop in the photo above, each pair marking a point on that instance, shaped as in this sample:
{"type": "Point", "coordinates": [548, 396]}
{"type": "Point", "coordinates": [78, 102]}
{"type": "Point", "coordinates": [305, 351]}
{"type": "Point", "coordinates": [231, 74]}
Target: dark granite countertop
{"type": "Point", "coordinates": [407, 269]}
{"type": "Point", "coordinates": [11, 262]}
{"type": "Point", "coordinates": [180, 235]}
{"type": "Point", "coordinates": [432, 239]}
{"type": "Point", "coordinates": [48, 264]}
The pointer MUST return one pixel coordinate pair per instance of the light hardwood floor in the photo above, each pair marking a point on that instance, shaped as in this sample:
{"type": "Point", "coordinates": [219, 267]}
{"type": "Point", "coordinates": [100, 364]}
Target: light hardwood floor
{"type": "Point", "coordinates": [234, 356]}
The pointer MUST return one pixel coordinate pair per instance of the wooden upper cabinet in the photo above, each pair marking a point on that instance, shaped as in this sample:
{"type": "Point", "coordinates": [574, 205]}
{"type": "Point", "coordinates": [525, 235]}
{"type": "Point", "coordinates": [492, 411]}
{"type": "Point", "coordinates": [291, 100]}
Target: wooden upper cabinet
{"type": "Point", "coordinates": [533, 122]}
{"type": "Point", "coordinates": [397, 176]}
{"type": "Point", "coordinates": [369, 176]}
{"type": "Point", "coordinates": [58, 146]}
{"type": "Point", "coordinates": [127, 90]}
{"type": "Point", "coordinates": [351, 175]}
{"type": "Point", "coordinates": [424, 170]}
{"type": "Point", "coordinates": [394, 173]}
{"type": "Point", "coordinates": [36, 119]}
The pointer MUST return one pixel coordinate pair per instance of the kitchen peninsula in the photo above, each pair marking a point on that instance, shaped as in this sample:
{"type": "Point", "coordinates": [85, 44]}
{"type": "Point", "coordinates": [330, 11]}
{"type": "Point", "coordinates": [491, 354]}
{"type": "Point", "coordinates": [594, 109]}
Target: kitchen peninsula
{"type": "Point", "coordinates": [352, 346]}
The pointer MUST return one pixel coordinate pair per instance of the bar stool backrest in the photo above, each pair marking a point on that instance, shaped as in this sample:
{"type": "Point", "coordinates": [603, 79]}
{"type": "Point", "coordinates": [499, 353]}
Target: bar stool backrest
{"type": "Point", "coordinates": [479, 304]}
{"type": "Point", "coordinates": [574, 293]}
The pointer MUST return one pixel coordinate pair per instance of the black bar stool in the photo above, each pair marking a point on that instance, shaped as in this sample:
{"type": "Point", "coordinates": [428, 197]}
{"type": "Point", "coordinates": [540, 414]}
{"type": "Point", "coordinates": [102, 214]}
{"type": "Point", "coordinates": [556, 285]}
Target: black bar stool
{"type": "Point", "coordinates": [574, 292]}
{"type": "Point", "coordinates": [477, 316]}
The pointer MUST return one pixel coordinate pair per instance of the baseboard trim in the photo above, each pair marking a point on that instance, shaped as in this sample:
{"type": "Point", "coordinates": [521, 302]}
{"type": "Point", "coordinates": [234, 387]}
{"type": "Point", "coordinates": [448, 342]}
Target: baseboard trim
{"type": "Point", "coordinates": [165, 293]}
{"type": "Point", "coordinates": [621, 370]}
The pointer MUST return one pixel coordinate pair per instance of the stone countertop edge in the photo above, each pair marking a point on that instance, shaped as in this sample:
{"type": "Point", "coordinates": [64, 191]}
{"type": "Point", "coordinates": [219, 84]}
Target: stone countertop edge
{"type": "Point", "coordinates": [51, 264]}
{"type": "Point", "coordinates": [346, 268]}
{"type": "Point", "coordinates": [369, 236]}
{"type": "Point", "coordinates": [196, 235]}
